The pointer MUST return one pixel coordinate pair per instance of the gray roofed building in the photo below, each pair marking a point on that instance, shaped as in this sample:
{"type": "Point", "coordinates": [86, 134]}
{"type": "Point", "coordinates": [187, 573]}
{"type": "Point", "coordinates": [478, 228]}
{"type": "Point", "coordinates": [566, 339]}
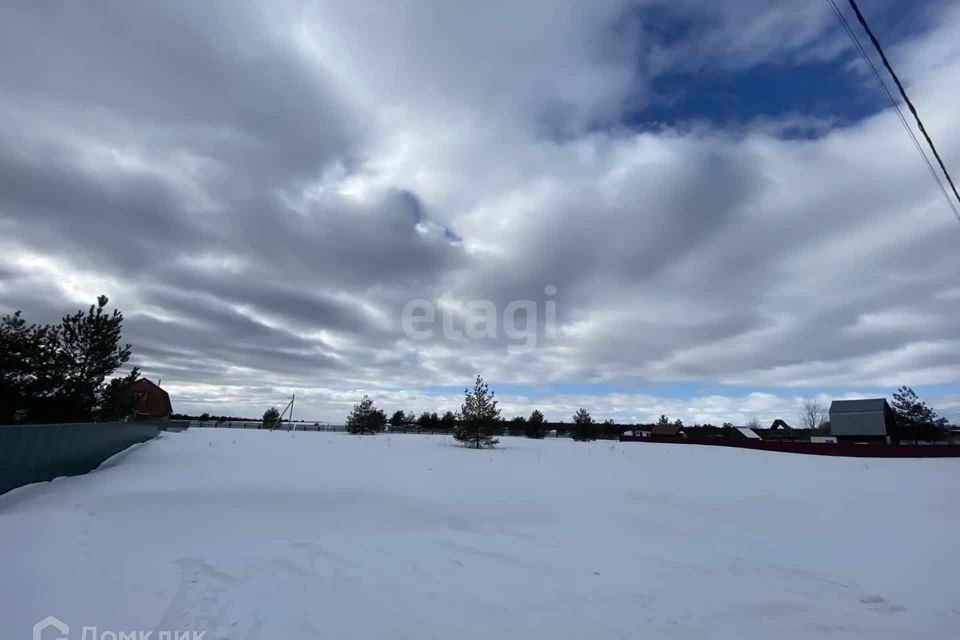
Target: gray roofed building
{"type": "Point", "coordinates": [869, 419]}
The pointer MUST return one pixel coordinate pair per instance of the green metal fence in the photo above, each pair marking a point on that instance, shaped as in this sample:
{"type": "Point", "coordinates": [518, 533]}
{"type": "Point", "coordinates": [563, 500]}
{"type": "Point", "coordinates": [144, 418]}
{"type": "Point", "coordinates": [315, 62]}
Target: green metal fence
{"type": "Point", "coordinates": [39, 452]}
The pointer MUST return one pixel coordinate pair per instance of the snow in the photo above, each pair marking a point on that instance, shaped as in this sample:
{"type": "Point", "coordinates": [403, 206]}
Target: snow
{"type": "Point", "coordinates": [282, 536]}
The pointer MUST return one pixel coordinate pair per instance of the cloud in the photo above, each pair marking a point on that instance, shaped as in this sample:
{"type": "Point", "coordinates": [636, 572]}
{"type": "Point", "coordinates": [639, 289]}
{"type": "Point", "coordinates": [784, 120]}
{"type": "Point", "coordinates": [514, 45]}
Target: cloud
{"type": "Point", "coordinates": [262, 192]}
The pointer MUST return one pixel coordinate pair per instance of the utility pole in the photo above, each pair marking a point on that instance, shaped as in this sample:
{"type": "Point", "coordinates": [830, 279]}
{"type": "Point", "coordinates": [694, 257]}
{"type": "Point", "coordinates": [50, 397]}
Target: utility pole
{"type": "Point", "coordinates": [292, 426]}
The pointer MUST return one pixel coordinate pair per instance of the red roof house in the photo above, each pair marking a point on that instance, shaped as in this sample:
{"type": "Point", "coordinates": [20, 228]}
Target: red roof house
{"type": "Point", "coordinates": [151, 402]}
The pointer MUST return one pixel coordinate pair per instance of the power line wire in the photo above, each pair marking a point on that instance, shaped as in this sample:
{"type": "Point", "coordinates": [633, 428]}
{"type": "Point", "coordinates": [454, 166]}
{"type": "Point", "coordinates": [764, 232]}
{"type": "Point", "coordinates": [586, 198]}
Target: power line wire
{"type": "Point", "coordinates": [896, 106]}
{"type": "Point", "coordinates": [903, 93]}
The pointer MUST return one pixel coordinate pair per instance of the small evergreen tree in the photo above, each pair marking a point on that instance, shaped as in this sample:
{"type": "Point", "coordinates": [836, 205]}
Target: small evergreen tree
{"type": "Point", "coordinates": [535, 428]}
{"type": "Point", "coordinates": [398, 420]}
{"type": "Point", "coordinates": [583, 429]}
{"type": "Point", "coordinates": [366, 418]}
{"type": "Point", "coordinates": [448, 422]}
{"type": "Point", "coordinates": [517, 426]}
{"type": "Point", "coordinates": [479, 417]}
{"type": "Point", "coordinates": [271, 418]}
{"type": "Point", "coordinates": [411, 421]}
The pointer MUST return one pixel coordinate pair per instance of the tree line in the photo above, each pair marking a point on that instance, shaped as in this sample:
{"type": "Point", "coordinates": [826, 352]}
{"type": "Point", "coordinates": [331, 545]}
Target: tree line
{"type": "Point", "coordinates": [475, 425]}
{"type": "Point", "coordinates": [478, 421]}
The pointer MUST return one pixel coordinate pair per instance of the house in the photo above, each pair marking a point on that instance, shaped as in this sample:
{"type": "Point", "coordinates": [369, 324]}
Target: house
{"type": "Point", "coordinates": [867, 420]}
{"type": "Point", "coordinates": [668, 431]}
{"type": "Point", "coordinates": [150, 401]}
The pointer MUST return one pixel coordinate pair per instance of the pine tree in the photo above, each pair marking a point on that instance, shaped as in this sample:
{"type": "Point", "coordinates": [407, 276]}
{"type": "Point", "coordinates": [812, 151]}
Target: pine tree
{"type": "Point", "coordinates": [398, 421]}
{"type": "Point", "coordinates": [448, 422]}
{"type": "Point", "coordinates": [479, 417]}
{"type": "Point", "coordinates": [91, 350]}
{"type": "Point", "coordinates": [428, 422]}
{"type": "Point", "coordinates": [535, 427]}
{"type": "Point", "coordinates": [915, 420]}
{"type": "Point", "coordinates": [18, 367]}
{"type": "Point", "coordinates": [366, 418]}
{"type": "Point", "coordinates": [583, 429]}
{"type": "Point", "coordinates": [271, 417]}
{"type": "Point", "coordinates": [58, 373]}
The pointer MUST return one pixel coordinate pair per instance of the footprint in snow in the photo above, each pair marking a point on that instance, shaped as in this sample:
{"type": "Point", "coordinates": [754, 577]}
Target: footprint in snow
{"type": "Point", "coordinates": [880, 605]}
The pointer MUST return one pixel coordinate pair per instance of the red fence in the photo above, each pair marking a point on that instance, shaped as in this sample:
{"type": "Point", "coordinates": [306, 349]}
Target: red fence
{"type": "Point", "coordinates": [848, 449]}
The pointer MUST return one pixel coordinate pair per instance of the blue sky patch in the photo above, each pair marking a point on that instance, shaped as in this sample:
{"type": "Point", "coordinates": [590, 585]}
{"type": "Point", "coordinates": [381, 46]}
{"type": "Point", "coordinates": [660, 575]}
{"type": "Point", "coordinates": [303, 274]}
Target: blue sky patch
{"type": "Point", "coordinates": [826, 93]}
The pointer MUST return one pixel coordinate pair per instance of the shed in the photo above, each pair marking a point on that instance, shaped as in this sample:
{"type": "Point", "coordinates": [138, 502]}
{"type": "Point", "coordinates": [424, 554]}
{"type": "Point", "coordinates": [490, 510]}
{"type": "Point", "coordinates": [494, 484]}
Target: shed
{"type": "Point", "coordinates": [867, 420]}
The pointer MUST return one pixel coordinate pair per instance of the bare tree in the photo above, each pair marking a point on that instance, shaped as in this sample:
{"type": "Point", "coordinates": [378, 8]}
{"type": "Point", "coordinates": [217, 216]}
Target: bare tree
{"type": "Point", "coordinates": [753, 423]}
{"type": "Point", "coordinates": [813, 414]}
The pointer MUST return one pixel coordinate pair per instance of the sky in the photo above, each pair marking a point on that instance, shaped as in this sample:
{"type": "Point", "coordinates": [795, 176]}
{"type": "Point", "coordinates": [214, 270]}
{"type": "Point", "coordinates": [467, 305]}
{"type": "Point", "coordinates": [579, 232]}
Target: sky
{"type": "Point", "coordinates": [704, 210]}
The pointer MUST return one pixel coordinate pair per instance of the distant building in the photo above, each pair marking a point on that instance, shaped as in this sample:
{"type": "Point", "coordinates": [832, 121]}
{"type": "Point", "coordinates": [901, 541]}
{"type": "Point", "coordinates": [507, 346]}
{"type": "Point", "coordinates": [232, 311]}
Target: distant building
{"type": "Point", "coordinates": [780, 431]}
{"type": "Point", "coordinates": [150, 401]}
{"type": "Point", "coordinates": [668, 431]}
{"type": "Point", "coordinates": [868, 420]}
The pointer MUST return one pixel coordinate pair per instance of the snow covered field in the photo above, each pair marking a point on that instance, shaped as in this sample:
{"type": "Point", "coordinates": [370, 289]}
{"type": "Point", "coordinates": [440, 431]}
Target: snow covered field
{"type": "Point", "coordinates": [280, 536]}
